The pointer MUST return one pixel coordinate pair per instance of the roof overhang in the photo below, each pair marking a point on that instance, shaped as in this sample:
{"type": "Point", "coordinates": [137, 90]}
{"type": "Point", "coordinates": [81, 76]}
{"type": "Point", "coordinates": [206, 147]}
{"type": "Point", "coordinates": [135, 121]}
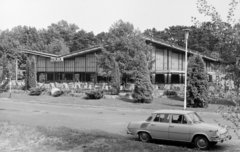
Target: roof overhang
{"type": "Point", "coordinates": [89, 50]}
{"type": "Point", "coordinates": [72, 54]}
{"type": "Point", "coordinates": [38, 53]}
{"type": "Point", "coordinates": [176, 47]}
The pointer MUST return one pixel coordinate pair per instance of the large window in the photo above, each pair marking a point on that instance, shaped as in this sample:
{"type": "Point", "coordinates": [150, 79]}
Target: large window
{"type": "Point", "coordinates": [175, 78]}
{"type": "Point", "coordinates": [69, 76]}
{"type": "Point", "coordinates": [160, 79]}
{"type": "Point", "coordinates": [49, 76]}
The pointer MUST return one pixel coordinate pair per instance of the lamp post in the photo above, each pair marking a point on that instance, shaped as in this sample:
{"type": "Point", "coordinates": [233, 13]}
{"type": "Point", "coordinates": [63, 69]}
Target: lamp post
{"type": "Point", "coordinates": [185, 78]}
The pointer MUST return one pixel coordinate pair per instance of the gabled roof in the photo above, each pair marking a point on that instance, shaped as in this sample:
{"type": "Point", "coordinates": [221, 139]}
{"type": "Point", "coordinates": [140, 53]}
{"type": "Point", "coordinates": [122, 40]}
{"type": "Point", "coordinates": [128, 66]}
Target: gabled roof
{"type": "Point", "coordinates": [176, 47]}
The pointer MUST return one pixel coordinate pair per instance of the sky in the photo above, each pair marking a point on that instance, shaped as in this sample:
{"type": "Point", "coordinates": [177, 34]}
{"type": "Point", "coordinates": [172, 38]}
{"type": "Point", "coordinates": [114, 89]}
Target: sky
{"type": "Point", "coordinates": [98, 15]}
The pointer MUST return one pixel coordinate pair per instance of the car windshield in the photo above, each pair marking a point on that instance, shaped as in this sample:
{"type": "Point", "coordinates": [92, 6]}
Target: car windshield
{"type": "Point", "coordinates": [149, 118]}
{"type": "Point", "coordinates": [195, 117]}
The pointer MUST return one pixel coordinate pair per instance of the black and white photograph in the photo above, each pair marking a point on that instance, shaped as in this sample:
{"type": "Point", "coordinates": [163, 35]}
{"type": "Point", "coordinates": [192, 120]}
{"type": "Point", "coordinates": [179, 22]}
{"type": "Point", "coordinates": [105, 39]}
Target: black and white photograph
{"type": "Point", "coordinates": [119, 75]}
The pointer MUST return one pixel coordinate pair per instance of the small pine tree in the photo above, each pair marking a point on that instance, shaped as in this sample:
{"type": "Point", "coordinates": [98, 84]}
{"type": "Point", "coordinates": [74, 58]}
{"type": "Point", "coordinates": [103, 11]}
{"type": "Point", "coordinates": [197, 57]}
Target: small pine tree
{"type": "Point", "coordinates": [143, 86]}
{"type": "Point", "coordinates": [116, 80]}
{"type": "Point", "coordinates": [30, 74]}
{"type": "Point", "coordinates": [197, 95]}
{"type": "Point", "coordinates": [28, 63]}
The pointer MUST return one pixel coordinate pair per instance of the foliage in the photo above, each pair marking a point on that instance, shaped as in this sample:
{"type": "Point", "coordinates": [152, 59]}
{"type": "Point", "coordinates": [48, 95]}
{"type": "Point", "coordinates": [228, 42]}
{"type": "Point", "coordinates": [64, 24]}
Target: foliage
{"type": "Point", "coordinates": [226, 32]}
{"type": "Point", "coordinates": [5, 69]}
{"type": "Point", "coordinates": [116, 78]}
{"type": "Point", "coordinates": [94, 94]}
{"type": "Point", "coordinates": [197, 84]}
{"type": "Point", "coordinates": [143, 86]}
{"type": "Point", "coordinates": [82, 40]}
{"type": "Point", "coordinates": [170, 93]}
{"type": "Point", "coordinates": [3, 86]}
{"type": "Point", "coordinates": [30, 73]}
{"type": "Point", "coordinates": [28, 63]}
{"type": "Point", "coordinates": [36, 91]}
{"type": "Point", "coordinates": [231, 114]}
{"type": "Point", "coordinates": [124, 42]}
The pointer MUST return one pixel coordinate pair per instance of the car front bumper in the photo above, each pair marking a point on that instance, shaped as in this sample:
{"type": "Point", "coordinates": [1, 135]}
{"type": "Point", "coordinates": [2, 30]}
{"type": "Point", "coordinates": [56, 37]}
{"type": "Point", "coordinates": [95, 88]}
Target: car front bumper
{"type": "Point", "coordinates": [128, 132]}
{"type": "Point", "coordinates": [221, 138]}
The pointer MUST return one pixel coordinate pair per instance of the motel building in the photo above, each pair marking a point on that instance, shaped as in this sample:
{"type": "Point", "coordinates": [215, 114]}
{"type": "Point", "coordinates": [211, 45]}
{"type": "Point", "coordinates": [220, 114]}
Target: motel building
{"type": "Point", "coordinates": [81, 66]}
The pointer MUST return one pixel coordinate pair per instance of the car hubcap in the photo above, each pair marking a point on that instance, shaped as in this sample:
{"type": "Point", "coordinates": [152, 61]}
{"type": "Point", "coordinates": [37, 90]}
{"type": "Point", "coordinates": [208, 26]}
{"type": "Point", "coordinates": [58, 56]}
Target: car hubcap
{"type": "Point", "coordinates": [144, 136]}
{"type": "Point", "coordinates": [202, 143]}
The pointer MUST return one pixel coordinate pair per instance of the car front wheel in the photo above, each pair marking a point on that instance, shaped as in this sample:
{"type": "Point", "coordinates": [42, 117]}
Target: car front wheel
{"type": "Point", "coordinates": [202, 143]}
{"type": "Point", "coordinates": [213, 143]}
{"type": "Point", "coordinates": [144, 137]}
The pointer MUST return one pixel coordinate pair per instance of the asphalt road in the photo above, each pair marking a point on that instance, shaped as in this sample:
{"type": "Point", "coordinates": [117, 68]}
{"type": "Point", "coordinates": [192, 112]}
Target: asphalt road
{"type": "Point", "coordinates": [107, 120]}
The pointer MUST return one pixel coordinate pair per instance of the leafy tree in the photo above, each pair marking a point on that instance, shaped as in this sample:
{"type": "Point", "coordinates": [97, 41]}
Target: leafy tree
{"type": "Point", "coordinates": [62, 30]}
{"type": "Point", "coordinates": [143, 86]}
{"type": "Point", "coordinates": [124, 43]}
{"type": "Point", "coordinates": [82, 40]}
{"type": "Point", "coordinates": [58, 47]}
{"type": "Point", "coordinates": [226, 32]}
{"type": "Point", "coordinates": [197, 83]}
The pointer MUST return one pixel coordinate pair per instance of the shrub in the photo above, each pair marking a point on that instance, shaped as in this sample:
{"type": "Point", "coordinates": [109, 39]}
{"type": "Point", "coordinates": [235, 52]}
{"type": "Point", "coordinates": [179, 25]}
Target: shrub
{"type": "Point", "coordinates": [5, 69]}
{"type": "Point", "coordinates": [197, 93]}
{"type": "Point", "coordinates": [231, 114]}
{"type": "Point", "coordinates": [170, 93]}
{"type": "Point", "coordinates": [36, 91]}
{"type": "Point", "coordinates": [95, 94]}
{"type": "Point", "coordinates": [4, 87]}
{"type": "Point", "coordinates": [143, 86]}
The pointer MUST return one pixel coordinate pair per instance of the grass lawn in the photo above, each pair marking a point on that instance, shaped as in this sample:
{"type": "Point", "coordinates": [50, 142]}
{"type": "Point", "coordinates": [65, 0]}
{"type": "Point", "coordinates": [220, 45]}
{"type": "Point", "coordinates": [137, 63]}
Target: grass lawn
{"type": "Point", "coordinates": [16, 137]}
{"type": "Point", "coordinates": [160, 103]}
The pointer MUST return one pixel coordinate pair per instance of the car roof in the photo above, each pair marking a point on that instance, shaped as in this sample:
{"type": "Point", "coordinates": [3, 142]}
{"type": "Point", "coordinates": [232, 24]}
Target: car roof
{"type": "Point", "coordinates": [173, 111]}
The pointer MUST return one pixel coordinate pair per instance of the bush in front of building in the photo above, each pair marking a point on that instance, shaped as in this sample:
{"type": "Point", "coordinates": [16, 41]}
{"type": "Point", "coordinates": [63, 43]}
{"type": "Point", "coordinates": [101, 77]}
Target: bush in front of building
{"type": "Point", "coordinates": [36, 91]}
{"type": "Point", "coordinates": [3, 86]}
{"type": "Point", "coordinates": [197, 83]}
{"type": "Point", "coordinates": [170, 93]}
{"type": "Point", "coordinates": [94, 94]}
{"type": "Point", "coordinates": [143, 87]}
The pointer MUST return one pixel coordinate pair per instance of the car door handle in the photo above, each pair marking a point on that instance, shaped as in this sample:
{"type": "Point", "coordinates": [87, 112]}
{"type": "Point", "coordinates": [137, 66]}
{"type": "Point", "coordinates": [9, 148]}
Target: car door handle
{"type": "Point", "coordinates": [171, 126]}
{"type": "Point", "coordinates": [153, 125]}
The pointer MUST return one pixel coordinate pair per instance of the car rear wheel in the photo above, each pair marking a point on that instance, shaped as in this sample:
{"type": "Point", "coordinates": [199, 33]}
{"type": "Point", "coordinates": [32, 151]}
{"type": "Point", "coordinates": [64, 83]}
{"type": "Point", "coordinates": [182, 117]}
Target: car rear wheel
{"type": "Point", "coordinates": [144, 136]}
{"type": "Point", "coordinates": [202, 143]}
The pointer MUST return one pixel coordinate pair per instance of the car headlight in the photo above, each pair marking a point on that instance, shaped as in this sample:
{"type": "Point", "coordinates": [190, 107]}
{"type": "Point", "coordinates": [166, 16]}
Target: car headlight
{"type": "Point", "coordinates": [217, 133]}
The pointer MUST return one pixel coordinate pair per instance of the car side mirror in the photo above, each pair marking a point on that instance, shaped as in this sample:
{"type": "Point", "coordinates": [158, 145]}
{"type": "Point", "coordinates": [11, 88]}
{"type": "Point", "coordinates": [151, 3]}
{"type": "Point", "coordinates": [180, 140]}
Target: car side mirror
{"type": "Point", "coordinates": [189, 122]}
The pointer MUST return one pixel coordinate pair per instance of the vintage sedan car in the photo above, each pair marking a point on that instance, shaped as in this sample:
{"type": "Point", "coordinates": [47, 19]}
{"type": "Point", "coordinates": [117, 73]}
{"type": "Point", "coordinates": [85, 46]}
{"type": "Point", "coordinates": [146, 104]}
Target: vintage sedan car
{"type": "Point", "coordinates": [179, 125]}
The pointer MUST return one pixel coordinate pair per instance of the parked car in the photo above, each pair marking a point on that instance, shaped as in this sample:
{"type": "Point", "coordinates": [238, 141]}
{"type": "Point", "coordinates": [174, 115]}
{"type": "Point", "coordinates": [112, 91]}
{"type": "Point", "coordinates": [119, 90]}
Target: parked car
{"type": "Point", "coordinates": [179, 125]}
